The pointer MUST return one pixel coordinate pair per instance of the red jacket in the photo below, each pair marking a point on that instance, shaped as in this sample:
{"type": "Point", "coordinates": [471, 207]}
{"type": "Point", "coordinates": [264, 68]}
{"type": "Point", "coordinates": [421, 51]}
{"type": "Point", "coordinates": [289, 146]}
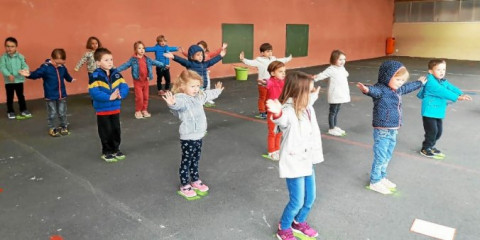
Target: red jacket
{"type": "Point", "coordinates": [274, 88]}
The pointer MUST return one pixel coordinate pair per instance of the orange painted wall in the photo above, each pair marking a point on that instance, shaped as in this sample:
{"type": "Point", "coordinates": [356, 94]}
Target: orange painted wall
{"type": "Point", "coordinates": [357, 27]}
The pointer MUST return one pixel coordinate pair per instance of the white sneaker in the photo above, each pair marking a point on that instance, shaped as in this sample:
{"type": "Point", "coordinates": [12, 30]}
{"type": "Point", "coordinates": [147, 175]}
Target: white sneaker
{"type": "Point", "coordinates": [274, 156]}
{"type": "Point", "coordinates": [380, 188]}
{"type": "Point", "coordinates": [334, 132]}
{"type": "Point", "coordinates": [340, 130]}
{"type": "Point", "coordinates": [211, 102]}
{"type": "Point", "coordinates": [388, 184]}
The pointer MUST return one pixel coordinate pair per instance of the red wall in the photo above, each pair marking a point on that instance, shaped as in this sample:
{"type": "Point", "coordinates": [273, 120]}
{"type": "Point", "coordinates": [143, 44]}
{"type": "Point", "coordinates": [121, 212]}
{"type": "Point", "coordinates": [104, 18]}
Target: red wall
{"type": "Point", "coordinates": [357, 28]}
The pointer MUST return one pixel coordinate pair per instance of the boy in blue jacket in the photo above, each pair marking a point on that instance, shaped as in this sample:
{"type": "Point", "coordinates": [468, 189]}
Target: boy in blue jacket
{"type": "Point", "coordinates": [53, 72]}
{"type": "Point", "coordinates": [196, 61]}
{"type": "Point", "coordinates": [387, 118]}
{"type": "Point", "coordinates": [107, 89]}
{"type": "Point", "coordinates": [160, 48]}
{"type": "Point", "coordinates": [434, 95]}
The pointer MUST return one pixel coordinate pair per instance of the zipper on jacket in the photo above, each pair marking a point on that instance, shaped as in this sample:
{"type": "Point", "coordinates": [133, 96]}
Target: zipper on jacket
{"type": "Point", "coordinates": [59, 83]}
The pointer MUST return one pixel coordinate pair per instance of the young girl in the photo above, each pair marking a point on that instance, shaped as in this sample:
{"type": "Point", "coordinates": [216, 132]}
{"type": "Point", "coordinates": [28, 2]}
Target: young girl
{"type": "Point", "coordinates": [338, 91]}
{"type": "Point", "coordinates": [141, 72]}
{"type": "Point", "coordinates": [301, 147]}
{"type": "Point", "coordinates": [187, 105]}
{"type": "Point", "coordinates": [92, 44]}
{"type": "Point", "coordinates": [387, 118]}
{"type": "Point", "coordinates": [274, 89]}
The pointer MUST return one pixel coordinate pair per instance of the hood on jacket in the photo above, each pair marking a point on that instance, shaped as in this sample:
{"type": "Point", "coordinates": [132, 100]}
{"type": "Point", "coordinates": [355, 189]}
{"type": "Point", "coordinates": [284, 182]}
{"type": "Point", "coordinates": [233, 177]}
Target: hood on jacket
{"type": "Point", "coordinates": [194, 49]}
{"type": "Point", "coordinates": [387, 70]}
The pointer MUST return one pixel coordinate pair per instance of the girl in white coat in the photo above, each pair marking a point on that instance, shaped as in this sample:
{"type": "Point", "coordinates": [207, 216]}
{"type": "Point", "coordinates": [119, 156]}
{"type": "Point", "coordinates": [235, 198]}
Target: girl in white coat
{"type": "Point", "coordinates": [301, 147]}
{"type": "Point", "coordinates": [338, 90]}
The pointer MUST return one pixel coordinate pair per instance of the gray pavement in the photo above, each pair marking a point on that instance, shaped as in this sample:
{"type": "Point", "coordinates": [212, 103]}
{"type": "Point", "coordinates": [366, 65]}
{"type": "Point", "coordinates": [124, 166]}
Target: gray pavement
{"type": "Point", "coordinates": [60, 186]}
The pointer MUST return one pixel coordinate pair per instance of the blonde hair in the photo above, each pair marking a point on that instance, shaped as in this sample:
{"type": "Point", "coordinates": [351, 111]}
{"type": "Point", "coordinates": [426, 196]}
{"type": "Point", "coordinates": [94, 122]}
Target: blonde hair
{"type": "Point", "coordinates": [184, 78]}
{"type": "Point", "coordinates": [402, 72]}
{"type": "Point", "coordinates": [297, 87]}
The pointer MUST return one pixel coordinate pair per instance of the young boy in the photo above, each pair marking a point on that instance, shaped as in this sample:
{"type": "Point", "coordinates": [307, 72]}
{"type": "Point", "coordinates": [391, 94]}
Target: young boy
{"type": "Point", "coordinates": [53, 72]}
{"type": "Point", "coordinates": [107, 90]}
{"type": "Point", "coordinates": [434, 95]}
{"type": "Point", "coordinates": [196, 61]}
{"type": "Point", "coordinates": [387, 118]}
{"type": "Point", "coordinates": [11, 62]}
{"type": "Point", "coordinates": [261, 63]}
{"type": "Point", "coordinates": [164, 72]}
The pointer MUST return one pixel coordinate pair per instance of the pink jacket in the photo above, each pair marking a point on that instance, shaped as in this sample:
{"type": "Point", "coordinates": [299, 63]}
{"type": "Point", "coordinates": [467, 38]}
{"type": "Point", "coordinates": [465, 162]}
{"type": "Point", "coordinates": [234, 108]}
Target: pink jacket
{"type": "Point", "coordinates": [274, 88]}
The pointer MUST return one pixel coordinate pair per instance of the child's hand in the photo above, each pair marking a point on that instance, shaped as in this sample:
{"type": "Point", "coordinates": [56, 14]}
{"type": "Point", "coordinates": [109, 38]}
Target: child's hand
{"type": "Point", "coordinates": [274, 106]}
{"type": "Point", "coordinates": [290, 56]}
{"type": "Point", "coordinates": [262, 82]}
{"type": "Point", "coordinates": [169, 98]}
{"type": "Point", "coordinates": [242, 56]}
{"type": "Point", "coordinates": [76, 69]}
{"type": "Point", "coordinates": [219, 85]}
{"type": "Point", "coordinates": [115, 95]}
{"type": "Point", "coordinates": [423, 79]}
{"type": "Point", "coordinates": [168, 55]}
{"type": "Point", "coordinates": [11, 78]}
{"type": "Point", "coordinates": [167, 66]}
{"type": "Point", "coordinates": [223, 52]}
{"type": "Point", "coordinates": [24, 72]}
{"type": "Point", "coordinates": [362, 87]}
{"type": "Point", "coordinates": [465, 98]}
{"type": "Point", "coordinates": [224, 45]}
{"type": "Point", "coordinates": [73, 80]}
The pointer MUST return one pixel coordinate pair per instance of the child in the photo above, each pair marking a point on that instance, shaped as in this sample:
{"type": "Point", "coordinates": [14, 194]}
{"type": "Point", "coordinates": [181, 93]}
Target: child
{"type": "Point", "coordinates": [164, 72]}
{"type": "Point", "coordinates": [53, 72]}
{"type": "Point", "coordinates": [338, 91]}
{"type": "Point", "coordinates": [208, 55]}
{"type": "Point", "coordinates": [92, 44]}
{"type": "Point", "coordinates": [11, 62]}
{"type": "Point", "coordinates": [434, 95]}
{"type": "Point", "coordinates": [107, 90]}
{"type": "Point", "coordinates": [274, 89]}
{"type": "Point", "coordinates": [141, 72]}
{"type": "Point", "coordinates": [187, 105]}
{"type": "Point", "coordinates": [196, 61]}
{"type": "Point", "coordinates": [387, 118]}
{"type": "Point", "coordinates": [301, 147]}
{"type": "Point", "coordinates": [261, 63]}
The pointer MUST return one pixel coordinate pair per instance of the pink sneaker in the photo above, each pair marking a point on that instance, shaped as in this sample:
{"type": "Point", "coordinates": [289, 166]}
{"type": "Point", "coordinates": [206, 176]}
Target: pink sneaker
{"type": "Point", "coordinates": [199, 186]}
{"type": "Point", "coordinates": [305, 229]}
{"type": "Point", "coordinates": [187, 191]}
{"type": "Point", "coordinates": [286, 234]}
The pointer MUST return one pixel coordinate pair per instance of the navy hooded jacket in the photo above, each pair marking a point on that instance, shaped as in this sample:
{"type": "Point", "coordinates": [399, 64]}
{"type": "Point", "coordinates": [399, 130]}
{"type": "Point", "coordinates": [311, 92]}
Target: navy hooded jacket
{"type": "Point", "coordinates": [387, 103]}
{"type": "Point", "coordinates": [53, 80]}
{"type": "Point", "coordinates": [199, 67]}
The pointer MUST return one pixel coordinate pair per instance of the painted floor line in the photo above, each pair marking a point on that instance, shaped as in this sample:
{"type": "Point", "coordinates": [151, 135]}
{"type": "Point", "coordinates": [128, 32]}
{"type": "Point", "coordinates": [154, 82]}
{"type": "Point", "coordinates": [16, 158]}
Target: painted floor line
{"type": "Point", "coordinates": [355, 143]}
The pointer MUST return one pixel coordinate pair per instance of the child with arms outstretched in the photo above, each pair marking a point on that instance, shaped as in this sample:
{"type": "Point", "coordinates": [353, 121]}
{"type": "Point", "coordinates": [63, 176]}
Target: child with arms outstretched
{"type": "Point", "coordinates": [300, 149]}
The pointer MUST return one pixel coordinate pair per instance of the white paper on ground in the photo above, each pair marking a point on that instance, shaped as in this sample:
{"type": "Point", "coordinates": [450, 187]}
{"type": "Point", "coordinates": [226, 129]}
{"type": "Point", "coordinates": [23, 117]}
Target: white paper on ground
{"type": "Point", "coordinates": [433, 230]}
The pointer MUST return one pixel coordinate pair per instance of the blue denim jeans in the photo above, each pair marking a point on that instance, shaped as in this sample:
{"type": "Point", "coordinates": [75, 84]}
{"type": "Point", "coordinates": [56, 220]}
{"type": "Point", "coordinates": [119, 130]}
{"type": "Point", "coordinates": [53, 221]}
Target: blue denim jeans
{"type": "Point", "coordinates": [302, 193]}
{"type": "Point", "coordinates": [383, 146]}
{"type": "Point", "coordinates": [57, 108]}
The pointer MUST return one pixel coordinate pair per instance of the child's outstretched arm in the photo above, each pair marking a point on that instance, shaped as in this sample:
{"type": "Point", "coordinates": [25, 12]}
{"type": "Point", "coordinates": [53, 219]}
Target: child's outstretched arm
{"type": "Point", "coordinates": [323, 75]}
{"type": "Point", "coordinates": [174, 103]}
{"type": "Point", "coordinates": [278, 116]}
{"type": "Point", "coordinates": [464, 98]}
{"type": "Point", "coordinates": [81, 62]}
{"type": "Point", "coordinates": [216, 59]}
{"type": "Point", "coordinates": [362, 88]}
{"type": "Point", "coordinates": [125, 65]}
{"type": "Point", "coordinates": [157, 63]}
{"type": "Point", "coordinates": [248, 62]}
{"type": "Point", "coordinates": [150, 49]}
{"type": "Point", "coordinates": [68, 77]}
{"type": "Point", "coordinates": [184, 62]}
{"type": "Point", "coordinates": [212, 94]}
{"type": "Point", "coordinates": [285, 59]}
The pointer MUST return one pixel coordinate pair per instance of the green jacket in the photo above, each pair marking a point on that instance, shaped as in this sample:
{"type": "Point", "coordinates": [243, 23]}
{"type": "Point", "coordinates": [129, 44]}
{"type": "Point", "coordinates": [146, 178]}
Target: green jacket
{"type": "Point", "coordinates": [10, 65]}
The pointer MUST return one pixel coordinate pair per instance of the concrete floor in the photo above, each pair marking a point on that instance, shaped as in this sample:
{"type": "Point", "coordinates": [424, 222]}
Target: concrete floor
{"type": "Point", "coordinates": [60, 186]}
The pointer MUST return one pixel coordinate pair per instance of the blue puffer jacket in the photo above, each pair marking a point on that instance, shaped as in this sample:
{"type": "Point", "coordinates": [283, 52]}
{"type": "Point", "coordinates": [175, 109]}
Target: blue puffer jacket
{"type": "Point", "coordinates": [199, 67]}
{"type": "Point", "coordinates": [435, 95]}
{"type": "Point", "coordinates": [133, 63]}
{"type": "Point", "coordinates": [159, 51]}
{"type": "Point", "coordinates": [387, 103]}
{"type": "Point", "coordinates": [53, 80]}
{"type": "Point", "coordinates": [102, 86]}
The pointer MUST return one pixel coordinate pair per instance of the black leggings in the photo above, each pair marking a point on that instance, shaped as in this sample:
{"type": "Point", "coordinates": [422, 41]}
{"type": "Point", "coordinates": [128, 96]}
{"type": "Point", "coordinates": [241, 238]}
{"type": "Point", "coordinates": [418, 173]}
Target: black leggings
{"type": "Point", "coordinates": [332, 115]}
{"type": "Point", "coordinates": [163, 72]}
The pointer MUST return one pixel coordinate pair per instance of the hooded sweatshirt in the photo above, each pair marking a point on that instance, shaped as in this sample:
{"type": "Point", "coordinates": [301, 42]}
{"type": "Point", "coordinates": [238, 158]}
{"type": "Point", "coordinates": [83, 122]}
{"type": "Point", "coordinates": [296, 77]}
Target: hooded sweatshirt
{"type": "Point", "coordinates": [387, 103]}
{"type": "Point", "coordinates": [53, 80]}
{"type": "Point", "coordinates": [199, 67]}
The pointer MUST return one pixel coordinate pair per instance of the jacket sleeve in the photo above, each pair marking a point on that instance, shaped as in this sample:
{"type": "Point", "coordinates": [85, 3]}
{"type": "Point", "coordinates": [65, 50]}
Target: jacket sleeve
{"type": "Point", "coordinates": [184, 62]}
{"type": "Point", "coordinates": [179, 104]}
{"type": "Point", "coordinates": [67, 76]}
{"type": "Point", "coordinates": [323, 75]}
{"type": "Point", "coordinates": [125, 66]}
{"type": "Point", "coordinates": [23, 64]}
{"type": "Point", "coordinates": [150, 49]}
{"type": "Point", "coordinates": [156, 63]}
{"type": "Point", "coordinates": [172, 49]}
{"type": "Point", "coordinates": [209, 95]}
{"type": "Point", "coordinates": [38, 73]}
{"type": "Point", "coordinates": [374, 91]}
{"type": "Point", "coordinates": [285, 59]}
{"type": "Point", "coordinates": [213, 61]}
{"type": "Point", "coordinates": [409, 87]}
{"type": "Point", "coordinates": [3, 67]}
{"type": "Point", "coordinates": [435, 89]}
{"type": "Point", "coordinates": [82, 61]}
{"type": "Point", "coordinates": [252, 63]}
{"type": "Point", "coordinates": [96, 93]}
{"type": "Point", "coordinates": [452, 88]}
{"type": "Point", "coordinates": [283, 121]}
{"type": "Point", "coordinates": [214, 53]}
{"type": "Point", "coordinates": [123, 89]}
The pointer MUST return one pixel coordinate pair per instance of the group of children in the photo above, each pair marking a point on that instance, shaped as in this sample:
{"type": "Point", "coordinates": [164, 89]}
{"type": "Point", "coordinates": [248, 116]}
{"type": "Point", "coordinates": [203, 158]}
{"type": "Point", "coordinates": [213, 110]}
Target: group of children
{"type": "Point", "coordinates": [285, 100]}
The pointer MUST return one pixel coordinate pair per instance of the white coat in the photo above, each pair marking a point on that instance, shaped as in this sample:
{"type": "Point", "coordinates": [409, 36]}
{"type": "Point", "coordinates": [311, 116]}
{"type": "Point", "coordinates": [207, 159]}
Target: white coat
{"type": "Point", "coordinates": [338, 90]}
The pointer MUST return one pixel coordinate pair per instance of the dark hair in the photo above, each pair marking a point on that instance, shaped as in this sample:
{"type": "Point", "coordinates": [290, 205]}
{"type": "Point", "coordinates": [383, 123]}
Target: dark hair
{"type": "Point", "coordinates": [59, 53]}
{"type": "Point", "coordinates": [434, 62]}
{"type": "Point", "coordinates": [297, 87]}
{"type": "Point", "coordinates": [161, 38]}
{"type": "Point", "coordinates": [335, 56]}
{"type": "Point", "coordinates": [98, 54]}
{"type": "Point", "coordinates": [265, 47]}
{"type": "Point", "coordinates": [89, 42]}
{"type": "Point", "coordinates": [204, 45]}
{"type": "Point", "coordinates": [274, 66]}
{"type": "Point", "coordinates": [11, 39]}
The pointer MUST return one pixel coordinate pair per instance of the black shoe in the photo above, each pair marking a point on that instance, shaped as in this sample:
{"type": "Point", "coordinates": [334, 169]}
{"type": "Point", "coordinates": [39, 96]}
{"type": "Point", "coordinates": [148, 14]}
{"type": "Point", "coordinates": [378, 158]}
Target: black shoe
{"type": "Point", "coordinates": [109, 158]}
{"type": "Point", "coordinates": [427, 152]}
{"type": "Point", "coordinates": [437, 152]}
{"type": "Point", "coordinates": [119, 155]}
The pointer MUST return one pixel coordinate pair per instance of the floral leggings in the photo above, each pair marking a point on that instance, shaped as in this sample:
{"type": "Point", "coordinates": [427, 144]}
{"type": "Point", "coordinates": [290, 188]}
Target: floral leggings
{"type": "Point", "coordinates": [191, 152]}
